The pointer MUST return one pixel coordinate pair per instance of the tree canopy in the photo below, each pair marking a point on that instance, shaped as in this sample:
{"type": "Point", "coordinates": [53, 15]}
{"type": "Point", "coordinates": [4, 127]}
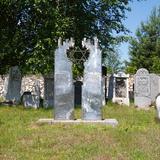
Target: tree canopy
{"type": "Point", "coordinates": [145, 47]}
{"type": "Point", "coordinates": [29, 29]}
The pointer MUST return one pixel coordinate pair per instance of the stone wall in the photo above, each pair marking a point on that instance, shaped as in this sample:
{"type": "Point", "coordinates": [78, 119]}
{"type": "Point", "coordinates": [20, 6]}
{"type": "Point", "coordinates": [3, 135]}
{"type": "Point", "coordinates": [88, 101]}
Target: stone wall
{"type": "Point", "coordinates": [29, 81]}
{"type": "Point", "coordinates": [1, 85]}
{"type": "Point", "coordinates": [27, 84]}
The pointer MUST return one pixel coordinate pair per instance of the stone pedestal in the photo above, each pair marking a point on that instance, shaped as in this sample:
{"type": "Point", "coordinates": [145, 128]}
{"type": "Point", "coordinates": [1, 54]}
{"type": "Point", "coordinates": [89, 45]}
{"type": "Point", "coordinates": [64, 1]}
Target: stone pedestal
{"type": "Point", "coordinates": [108, 122]}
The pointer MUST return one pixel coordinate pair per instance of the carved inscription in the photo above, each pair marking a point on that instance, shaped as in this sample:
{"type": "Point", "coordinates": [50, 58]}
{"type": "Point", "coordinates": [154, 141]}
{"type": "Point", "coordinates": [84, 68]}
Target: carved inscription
{"type": "Point", "coordinates": [142, 85]}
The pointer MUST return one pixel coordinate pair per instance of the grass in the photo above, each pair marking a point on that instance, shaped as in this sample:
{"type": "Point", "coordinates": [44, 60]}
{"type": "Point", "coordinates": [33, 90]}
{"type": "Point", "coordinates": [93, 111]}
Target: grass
{"type": "Point", "coordinates": [137, 136]}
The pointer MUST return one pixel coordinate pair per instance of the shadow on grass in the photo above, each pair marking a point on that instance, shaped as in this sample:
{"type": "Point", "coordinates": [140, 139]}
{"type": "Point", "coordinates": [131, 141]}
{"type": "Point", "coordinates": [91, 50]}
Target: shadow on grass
{"type": "Point", "coordinates": [157, 120]}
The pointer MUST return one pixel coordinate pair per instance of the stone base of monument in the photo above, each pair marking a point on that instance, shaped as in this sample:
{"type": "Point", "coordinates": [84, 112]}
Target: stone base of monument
{"type": "Point", "coordinates": [109, 122]}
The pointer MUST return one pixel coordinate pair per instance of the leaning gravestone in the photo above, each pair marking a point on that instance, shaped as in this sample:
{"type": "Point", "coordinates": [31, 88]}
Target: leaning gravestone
{"type": "Point", "coordinates": [142, 92]}
{"type": "Point", "coordinates": [92, 83]}
{"type": "Point", "coordinates": [154, 86]}
{"type": "Point", "coordinates": [63, 83]}
{"type": "Point", "coordinates": [12, 86]}
{"type": "Point", "coordinates": [48, 91]}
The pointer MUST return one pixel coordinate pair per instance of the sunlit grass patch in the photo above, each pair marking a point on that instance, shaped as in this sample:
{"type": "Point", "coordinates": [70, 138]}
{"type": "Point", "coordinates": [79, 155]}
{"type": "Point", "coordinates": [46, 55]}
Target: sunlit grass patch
{"type": "Point", "coordinates": [136, 137]}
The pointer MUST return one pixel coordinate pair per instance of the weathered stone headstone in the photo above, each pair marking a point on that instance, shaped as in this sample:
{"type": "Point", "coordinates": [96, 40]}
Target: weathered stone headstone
{"type": "Point", "coordinates": [36, 95]}
{"type": "Point", "coordinates": [120, 88]}
{"type": "Point", "coordinates": [142, 89]}
{"type": "Point", "coordinates": [92, 83]}
{"type": "Point", "coordinates": [158, 105]}
{"type": "Point", "coordinates": [110, 86]}
{"type": "Point", "coordinates": [48, 91]}
{"type": "Point", "coordinates": [154, 86]}
{"type": "Point", "coordinates": [27, 99]}
{"type": "Point", "coordinates": [12, 88]}
{"type": "Point", "coordinates": [63, 83]}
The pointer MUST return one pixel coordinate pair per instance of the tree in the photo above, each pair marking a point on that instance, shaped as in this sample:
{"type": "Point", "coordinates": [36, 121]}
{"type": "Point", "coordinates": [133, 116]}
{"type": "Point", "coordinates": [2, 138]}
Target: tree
{"type": "Point", "coordinates": [112, 61]}
{"type": "Point", "coordinates": [29, 29]}
{"type": "Point", "coordinates": [28, 34]}
{"type": "Point", "coordinates": [144, 50]}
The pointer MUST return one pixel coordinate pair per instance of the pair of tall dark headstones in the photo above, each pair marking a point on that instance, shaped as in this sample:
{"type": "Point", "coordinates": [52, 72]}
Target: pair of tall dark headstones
{"type": "Point", "coordinates": [92, 83]}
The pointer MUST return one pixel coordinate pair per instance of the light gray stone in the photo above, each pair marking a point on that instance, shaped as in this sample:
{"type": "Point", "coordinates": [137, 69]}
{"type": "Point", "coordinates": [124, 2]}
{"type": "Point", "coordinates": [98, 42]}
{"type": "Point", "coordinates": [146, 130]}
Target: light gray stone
{"type": "Point", "coordinates": [158, 106]}
{"type": "Point", "coordinates": [120, 88]}
{"type": "Point", "coordinates": [154, 86]}
{"type": "Point", "coordinates": [27, 99]}
{"type": "Point", "coordinates": [30, 101]}
{"type": "Point", "coordinates": [108, 122]}
{"type": "Point", "coordinates": [63, 83]}
{"type": "Point", "coordinates": [142, 91]}
{"type": "Point", "coordinates": [104, 91]}
{"type": "Point", "coordinates": [12, 88]}
{"type": "Point", "coordinates": [92, 83]}
{"type": "Point", "coordinates": [48, 91]}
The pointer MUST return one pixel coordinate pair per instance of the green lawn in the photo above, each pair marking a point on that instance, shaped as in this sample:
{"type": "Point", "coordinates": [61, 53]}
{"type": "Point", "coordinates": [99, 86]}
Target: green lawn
{"type": "Point", "coordinates": [137, 137]}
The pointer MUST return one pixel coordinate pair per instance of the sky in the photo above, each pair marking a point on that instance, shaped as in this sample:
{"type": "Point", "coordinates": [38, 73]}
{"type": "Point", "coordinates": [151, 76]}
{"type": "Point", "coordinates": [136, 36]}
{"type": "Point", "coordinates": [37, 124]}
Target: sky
{"type": "Point", "coordinates": [140, 11]}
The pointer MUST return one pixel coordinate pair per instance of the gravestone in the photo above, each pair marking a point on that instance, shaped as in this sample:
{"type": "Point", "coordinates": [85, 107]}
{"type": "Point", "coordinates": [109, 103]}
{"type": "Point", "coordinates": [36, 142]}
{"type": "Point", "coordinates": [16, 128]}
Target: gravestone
{"type": "Point", "coordinates": [154, 86]}
{"type": "Point", "coordinates": [142, 90]}
{"type": "Point", "coordinates": [120, 88]}
{"type": "Point", "coordinates": [110, 86]}
{"type": "Point", "coordinates": [48, 91]}
{"type": "Point", "coordinates": [158, 106]}
{"type": "Point", "coordinates": [12, 86]}
{"type": "Point", "coordinates": [27, 99]}
{"type": "Point", "coordinates": [92, 83]}
{"type": "Point", "coordinates": [63, 83]}
{"type": "Point", "coordinates": [78, 93]}
{"type": "Point", "coordinates": [32, 99]}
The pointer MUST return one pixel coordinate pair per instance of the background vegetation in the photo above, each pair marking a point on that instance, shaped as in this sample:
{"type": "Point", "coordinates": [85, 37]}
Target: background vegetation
{"type": "Point", "coordinates": [145, 47]}
{"type": "Point", "coordinates": [29, 29]}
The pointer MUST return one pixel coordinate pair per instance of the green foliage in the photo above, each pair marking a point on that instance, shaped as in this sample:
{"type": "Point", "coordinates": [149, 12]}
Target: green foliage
{"type": "Point", "coordinates": [145, 48]}
{"type": "Point", "coordinates": [29, 29]}
{"type": "Point", "coordinates": [112, 61]}
{"type": "Point", "coordinates": [28, 34]}
{"type": "Point", "coordinates": [136, 137]}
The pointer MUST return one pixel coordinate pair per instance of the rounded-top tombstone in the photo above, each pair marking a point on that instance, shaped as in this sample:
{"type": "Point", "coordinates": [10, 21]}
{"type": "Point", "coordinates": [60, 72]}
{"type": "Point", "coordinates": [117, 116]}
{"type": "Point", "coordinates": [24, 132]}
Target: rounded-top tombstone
{"type": "Point", "coordinates": [142, 92]}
